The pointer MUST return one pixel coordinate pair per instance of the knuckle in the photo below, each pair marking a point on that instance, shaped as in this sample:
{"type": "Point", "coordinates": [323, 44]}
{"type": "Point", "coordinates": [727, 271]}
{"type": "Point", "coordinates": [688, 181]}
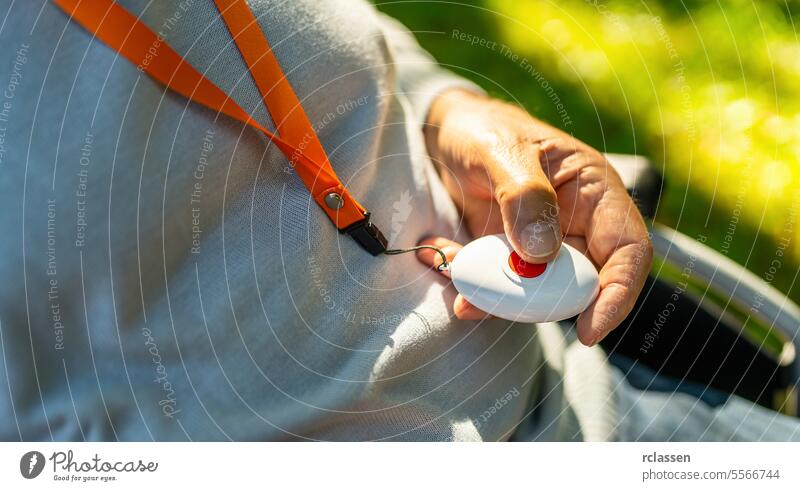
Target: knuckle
{"type": "Point", "coordinates": [525, 190]}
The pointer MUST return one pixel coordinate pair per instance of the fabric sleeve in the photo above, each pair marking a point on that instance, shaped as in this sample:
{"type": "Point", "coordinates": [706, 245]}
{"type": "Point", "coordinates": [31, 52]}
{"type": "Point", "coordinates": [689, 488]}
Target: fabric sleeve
{"type": "Point", "coordinates": [419, 77]}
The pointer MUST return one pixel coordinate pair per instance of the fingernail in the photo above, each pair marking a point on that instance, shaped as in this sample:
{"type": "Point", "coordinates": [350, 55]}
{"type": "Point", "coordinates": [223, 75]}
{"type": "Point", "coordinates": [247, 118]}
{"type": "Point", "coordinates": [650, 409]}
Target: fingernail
{"type": "Point", "coordinates": [540, 239]}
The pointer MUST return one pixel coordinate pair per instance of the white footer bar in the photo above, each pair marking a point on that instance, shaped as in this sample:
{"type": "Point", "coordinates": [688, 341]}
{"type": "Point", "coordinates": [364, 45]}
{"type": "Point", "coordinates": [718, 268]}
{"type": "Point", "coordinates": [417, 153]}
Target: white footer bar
{"type": "Point", "coordinates": [400, 466]}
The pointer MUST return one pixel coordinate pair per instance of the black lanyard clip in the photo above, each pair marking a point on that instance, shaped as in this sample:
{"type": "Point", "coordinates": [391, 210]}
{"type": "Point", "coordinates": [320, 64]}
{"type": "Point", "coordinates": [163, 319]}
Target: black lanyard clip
{"type": "Point", "coordinates": [367, 235]}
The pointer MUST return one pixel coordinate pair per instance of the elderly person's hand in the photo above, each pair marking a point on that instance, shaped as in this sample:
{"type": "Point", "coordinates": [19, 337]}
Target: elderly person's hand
{"type": "Point", "coordinates": [511, 173]}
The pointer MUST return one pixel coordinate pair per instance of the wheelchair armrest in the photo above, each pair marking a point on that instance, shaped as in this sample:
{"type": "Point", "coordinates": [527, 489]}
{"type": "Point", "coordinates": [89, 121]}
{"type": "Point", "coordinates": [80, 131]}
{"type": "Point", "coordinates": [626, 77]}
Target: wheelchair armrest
{"type": "Point", "coordinates": [762, 315]}
{"type": "Point", "coordinates": [643, 182]}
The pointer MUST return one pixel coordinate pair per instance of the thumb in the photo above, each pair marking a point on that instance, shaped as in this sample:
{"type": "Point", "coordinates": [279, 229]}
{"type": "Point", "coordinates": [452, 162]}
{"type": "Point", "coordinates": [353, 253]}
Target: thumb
{"type": "Point", "coordinates": [529, 207]}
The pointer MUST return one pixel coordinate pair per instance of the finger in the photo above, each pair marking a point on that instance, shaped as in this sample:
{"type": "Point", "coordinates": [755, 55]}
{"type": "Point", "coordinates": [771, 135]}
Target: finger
{"type": "Point", "coordinates": [433, 259]}
{"type": "Point", "coordinates": [461, 308]}
{"type": "Point", "coordinates": [528, 203]}
{"type": "Point", "coordinates": [622, 276]}
{"type": "Point", "coordinates": [621, 280]}
{"type": "Point", "coordinates": [468, 312]}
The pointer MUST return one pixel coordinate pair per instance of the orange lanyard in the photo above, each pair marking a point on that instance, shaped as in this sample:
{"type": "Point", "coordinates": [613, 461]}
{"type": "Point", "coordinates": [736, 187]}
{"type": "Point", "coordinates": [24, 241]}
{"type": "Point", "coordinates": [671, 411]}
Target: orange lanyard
{"type": "Point", "coordinates": [298, 141]}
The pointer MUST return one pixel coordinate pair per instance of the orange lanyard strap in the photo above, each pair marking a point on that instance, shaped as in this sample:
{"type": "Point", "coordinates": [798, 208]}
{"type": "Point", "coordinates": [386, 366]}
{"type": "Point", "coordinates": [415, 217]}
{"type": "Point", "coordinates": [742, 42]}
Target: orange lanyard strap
{"type": "Point", "coordinates": [132, 39]}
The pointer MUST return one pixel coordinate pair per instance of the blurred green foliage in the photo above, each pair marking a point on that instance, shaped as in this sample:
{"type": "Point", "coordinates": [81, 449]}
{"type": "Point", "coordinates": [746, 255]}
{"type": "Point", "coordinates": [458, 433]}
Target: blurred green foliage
{"type": "Point", "coordinates": [707, 90]}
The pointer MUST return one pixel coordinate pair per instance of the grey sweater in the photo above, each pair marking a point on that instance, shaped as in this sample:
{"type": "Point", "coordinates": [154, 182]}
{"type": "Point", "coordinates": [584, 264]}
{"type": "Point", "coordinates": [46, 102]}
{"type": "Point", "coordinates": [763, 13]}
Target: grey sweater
{"type": "Point", "coordinates": [166, 276]}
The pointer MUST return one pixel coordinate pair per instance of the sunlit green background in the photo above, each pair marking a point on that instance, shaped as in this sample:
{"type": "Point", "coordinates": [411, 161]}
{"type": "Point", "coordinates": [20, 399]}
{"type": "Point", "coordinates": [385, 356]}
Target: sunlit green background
{"type": "Point", "coordinates": [708, 91]}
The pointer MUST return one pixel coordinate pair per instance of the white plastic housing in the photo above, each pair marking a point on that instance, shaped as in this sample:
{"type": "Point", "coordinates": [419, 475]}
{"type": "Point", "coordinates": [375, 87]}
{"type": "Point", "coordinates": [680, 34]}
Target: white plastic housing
{"type": "Point", "coordinates": [481, 273]}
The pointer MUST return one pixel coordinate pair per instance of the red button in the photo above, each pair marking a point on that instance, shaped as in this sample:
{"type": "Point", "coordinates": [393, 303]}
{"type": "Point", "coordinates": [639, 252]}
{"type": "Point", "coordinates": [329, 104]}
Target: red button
{"type": "Point", "coordinates": [524, 268]}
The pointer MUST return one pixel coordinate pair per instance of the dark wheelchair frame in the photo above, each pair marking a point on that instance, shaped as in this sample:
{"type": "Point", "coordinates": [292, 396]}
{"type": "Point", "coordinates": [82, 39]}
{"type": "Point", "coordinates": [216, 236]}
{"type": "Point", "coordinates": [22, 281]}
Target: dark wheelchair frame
{"type": "Point", "coordinates": [704, 319]}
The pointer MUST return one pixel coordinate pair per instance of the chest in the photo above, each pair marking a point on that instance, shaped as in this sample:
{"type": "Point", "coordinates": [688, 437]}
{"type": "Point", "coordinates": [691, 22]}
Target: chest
{"type": "Point", "coordinates": [333, 53]}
